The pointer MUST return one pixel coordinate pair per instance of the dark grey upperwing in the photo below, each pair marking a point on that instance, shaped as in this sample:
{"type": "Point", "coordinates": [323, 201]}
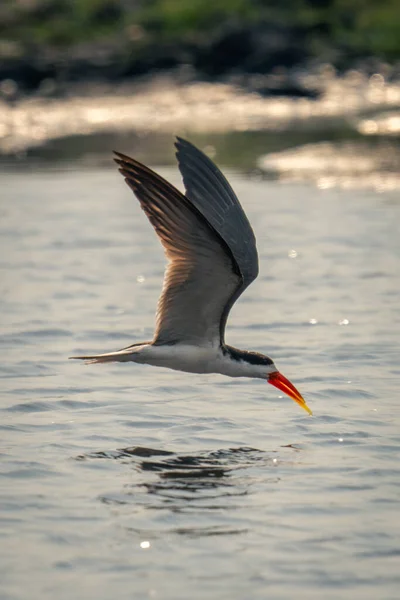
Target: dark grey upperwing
{"type": "Point", "coordinates": [209, 191]}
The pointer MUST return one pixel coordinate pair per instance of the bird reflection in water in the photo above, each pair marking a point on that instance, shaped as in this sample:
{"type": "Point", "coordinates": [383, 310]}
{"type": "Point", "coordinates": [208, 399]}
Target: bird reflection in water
{"type": "Point", "coordinates": [189, 485]}
{"type": "Point", "coordinates": [187, 471]}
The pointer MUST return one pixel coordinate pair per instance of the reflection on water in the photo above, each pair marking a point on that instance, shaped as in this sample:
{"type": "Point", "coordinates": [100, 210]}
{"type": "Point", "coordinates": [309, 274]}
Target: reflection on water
{"type": "Point", "coordinates": [351, 165]}
{"type": "Point", "coordinates": [189, 483]}
{"type": "Point", "coordinates": [168, 107]}
{"type": "Point", "coordinates": [187, 472]}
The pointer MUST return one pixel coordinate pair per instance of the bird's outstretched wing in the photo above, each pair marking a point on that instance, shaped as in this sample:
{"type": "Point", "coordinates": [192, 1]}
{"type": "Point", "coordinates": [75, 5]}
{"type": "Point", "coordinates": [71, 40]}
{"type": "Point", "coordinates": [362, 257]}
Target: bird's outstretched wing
{"type": "Point", "coordinates": [210, 192]}
{"type": "Point", "coordinates": [202, 275]}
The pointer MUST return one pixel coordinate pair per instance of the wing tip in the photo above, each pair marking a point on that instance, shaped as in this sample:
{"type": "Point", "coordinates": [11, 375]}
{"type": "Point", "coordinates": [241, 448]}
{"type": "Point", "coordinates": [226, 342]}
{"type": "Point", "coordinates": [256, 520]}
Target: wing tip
{"type": "Point", "coordinates": [182, 144]}
{"type": "Point", "coordinates": [179, 140]}
{"type": "Point", "coordinates": [120, 156]}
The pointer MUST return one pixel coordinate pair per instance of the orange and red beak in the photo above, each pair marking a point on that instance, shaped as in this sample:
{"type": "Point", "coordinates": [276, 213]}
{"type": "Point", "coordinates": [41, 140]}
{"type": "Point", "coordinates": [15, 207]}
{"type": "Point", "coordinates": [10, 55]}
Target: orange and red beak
{"type": "Point", "coordinates": [283, 384]}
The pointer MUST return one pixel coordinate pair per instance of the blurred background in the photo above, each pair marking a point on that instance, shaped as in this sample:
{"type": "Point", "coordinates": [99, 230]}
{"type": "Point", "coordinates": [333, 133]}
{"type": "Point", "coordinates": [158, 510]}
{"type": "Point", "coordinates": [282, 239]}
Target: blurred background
{"type": "Point", "coordinates": [131, 482]}
{"type": "Point", "coordinates": [292, 81]}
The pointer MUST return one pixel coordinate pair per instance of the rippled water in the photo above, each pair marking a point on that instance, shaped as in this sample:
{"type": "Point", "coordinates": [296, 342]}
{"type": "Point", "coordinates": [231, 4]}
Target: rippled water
{"type": "Point", "coordinates": [131, 482]}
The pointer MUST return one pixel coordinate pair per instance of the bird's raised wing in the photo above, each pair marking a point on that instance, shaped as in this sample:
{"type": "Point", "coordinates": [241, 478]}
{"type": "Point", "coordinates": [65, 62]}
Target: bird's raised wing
{"type": "Point", "coordinates": [201, 277]}
{"type": "Point", "coordinates": [209, 191]}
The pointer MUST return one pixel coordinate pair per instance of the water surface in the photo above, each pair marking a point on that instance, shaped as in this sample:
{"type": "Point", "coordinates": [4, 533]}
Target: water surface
{"type": "Point", "coordinates": [130, 482]}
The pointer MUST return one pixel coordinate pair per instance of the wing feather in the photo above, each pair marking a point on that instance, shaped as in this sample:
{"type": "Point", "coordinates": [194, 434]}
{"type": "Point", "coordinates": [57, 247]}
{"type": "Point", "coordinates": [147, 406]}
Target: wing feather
{"type": "Point", "coordinates": [201, 276]}
{"type": "Point", "coordinates": [210, 192]}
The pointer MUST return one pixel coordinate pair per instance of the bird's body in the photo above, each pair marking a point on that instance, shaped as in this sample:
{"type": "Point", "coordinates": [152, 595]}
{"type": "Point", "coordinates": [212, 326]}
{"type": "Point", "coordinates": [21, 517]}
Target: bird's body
{"type": "Point", "coordinates": [212, 257]}
{"type": "Point", "coordinates": [190, 358]}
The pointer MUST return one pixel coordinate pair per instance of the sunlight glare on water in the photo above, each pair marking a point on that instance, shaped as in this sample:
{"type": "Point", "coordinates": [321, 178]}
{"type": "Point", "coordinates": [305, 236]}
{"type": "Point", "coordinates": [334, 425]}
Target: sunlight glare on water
{"type": "Point", "coordinates": [131, 482]}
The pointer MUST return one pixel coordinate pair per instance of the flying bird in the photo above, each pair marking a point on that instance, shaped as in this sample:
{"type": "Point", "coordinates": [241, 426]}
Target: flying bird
{"type": "Point", "coordinates": [212, 259]}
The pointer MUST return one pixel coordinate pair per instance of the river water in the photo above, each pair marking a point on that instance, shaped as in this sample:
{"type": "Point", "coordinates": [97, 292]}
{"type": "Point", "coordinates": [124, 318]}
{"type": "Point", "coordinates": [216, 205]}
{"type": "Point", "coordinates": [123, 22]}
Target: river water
{"type": "Point", "coordinates": [125, 481]}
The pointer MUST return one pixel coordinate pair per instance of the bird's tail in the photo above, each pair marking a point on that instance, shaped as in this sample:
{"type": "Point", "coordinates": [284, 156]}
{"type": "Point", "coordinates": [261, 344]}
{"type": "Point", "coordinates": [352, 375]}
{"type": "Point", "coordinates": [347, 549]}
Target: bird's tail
{"type": "Point", "coordinates": [124, 355]}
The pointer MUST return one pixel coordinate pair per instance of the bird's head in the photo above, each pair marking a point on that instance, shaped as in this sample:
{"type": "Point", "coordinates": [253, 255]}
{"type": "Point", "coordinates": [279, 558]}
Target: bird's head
{"type": "Point", "coordinates": [274, 377]}
{"type": "Point", "coordinates": [254, 364]}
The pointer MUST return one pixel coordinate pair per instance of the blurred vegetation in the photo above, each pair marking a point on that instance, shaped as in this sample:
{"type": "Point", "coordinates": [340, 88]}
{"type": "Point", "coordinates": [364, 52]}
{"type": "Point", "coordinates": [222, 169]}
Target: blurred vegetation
{"type": "Point", "coordinates": [215, 37]}
{"type": "Point", "coordinates": [363, 26]}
